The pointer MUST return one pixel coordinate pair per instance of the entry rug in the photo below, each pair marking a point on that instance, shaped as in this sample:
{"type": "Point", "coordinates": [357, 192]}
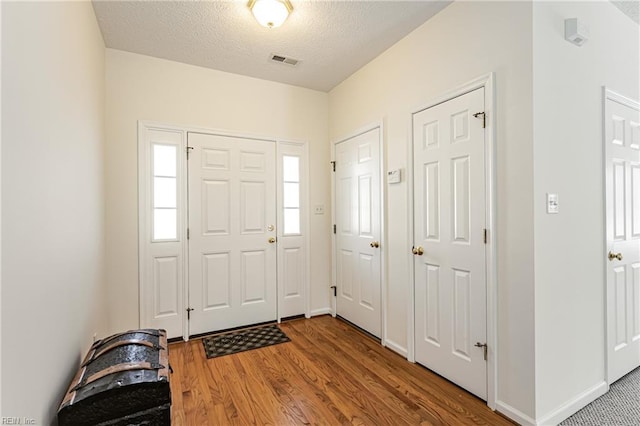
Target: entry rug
{"type": "Point", "coordinates": [243, 340]}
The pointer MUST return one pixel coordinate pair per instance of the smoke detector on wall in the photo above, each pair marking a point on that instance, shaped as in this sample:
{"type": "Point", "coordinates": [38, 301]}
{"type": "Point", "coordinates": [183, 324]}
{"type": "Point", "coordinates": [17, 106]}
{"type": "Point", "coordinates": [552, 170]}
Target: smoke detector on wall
{"type": "Point", "coordinates": [284, 60]}
{"type": "Point", "coordinates": [575, 31]}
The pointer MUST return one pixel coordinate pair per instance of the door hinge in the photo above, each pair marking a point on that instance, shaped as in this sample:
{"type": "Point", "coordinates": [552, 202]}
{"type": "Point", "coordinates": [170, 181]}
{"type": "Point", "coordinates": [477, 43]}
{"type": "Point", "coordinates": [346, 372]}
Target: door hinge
{"type": "Point", "coordinates": [189, 148]}
{"type": "Point", "coordinates": [333, 165]}
{"type": "Point", "coordinates": [484, 118]}
{"type": "Point", "coordinates": [484, 347]}
{"type": "Point", "coordinates": [486, 236]}
{"type": "Point", "coordinates": [335, 228]}
{"type": "Point", "coordinates": [189, 313]}
{"type": "Point", "coordinates": [335, 290]}
{"type": "Point", "coordinates": [187, 233]}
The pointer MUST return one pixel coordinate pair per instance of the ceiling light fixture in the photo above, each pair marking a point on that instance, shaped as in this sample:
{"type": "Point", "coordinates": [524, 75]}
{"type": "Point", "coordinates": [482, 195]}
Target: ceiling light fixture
{"type": "Point", "coordinates": [270, 13]}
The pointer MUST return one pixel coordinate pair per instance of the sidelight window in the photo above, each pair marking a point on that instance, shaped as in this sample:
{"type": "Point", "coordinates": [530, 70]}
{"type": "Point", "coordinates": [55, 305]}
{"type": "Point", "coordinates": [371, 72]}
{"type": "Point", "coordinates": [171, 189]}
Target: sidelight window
{"type": "Point", "coordinates": [164, 192]}
{"type": "Point", "coordinates": [291, 191]}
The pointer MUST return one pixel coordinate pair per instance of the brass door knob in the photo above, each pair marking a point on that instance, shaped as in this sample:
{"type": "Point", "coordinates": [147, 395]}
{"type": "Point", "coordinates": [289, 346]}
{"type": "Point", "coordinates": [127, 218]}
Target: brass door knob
{"type": "Point", "coordinates": [374, 244]}
{"type": "Point", "coordinates": [419, 251]}
{"type": "Point", "coordinates": [272, 240]}
{"type": "Point", "coordinates": [613, 256]}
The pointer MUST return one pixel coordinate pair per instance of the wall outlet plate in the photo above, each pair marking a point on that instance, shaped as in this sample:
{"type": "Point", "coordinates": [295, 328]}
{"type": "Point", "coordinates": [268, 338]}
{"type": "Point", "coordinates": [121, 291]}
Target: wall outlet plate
{"type": "Point", "coordinates": [318, 209]}
{"type": "Point", "coordinates": [553, 204]}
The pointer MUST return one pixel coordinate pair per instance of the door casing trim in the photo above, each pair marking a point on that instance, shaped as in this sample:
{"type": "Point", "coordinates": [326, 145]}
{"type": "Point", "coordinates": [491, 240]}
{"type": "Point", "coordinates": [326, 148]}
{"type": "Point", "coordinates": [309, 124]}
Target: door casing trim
{"type": "Point", "coordinates": [143, 221]}
{"type": "Point", "coordinates": [487, 82]}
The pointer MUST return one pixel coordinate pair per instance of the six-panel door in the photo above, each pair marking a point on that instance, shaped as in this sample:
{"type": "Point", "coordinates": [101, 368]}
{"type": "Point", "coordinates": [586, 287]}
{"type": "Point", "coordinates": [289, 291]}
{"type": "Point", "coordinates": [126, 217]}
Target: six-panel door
{"type": "Point", "coordinates": [357, 197]}
{"type": "Point", "coordinates": [232, 218]}
{"type": "Point", "coordinates": [449, 222]}
{"type": "Point", "coordinates": [622, 164]}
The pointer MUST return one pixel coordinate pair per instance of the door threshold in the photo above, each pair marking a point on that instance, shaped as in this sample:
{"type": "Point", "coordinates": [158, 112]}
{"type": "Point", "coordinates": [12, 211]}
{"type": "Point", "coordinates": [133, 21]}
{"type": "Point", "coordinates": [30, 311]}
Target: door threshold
{"type": "Point", "coordinates": [228, 330]}
{"type": "Point", "coordinates": [374, 337]}
{"type": "Point", "coordinates": [293, 318]}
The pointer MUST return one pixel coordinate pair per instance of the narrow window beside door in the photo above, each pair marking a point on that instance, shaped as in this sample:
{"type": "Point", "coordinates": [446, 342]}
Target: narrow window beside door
{"type": "Point", "coordinates": [165, 217]}
{"type": "Point", "coordinates": [291, 191]}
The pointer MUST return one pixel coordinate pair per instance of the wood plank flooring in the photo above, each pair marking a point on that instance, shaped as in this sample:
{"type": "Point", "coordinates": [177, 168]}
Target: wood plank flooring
{"type": "Point", "coordinates": [329, 374]}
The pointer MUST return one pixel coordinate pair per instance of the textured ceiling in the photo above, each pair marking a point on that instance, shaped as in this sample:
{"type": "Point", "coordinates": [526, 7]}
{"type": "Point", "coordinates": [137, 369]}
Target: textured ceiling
{"type": "Point", "coordinates": [631, 8]}
{"type": "Point", "coordinates": [332, 39]}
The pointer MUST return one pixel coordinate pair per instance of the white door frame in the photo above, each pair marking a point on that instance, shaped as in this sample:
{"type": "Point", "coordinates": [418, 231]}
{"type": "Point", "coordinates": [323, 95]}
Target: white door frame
{"type": "Point", "coordinates": [488, 83]}
{"type": "Point", "coordinates": [383, 238]}
{"type": "Point", "coordinates": [144, 219]}
{"type": "Point", "coordinates": [284, 147]}
{"type": "Point", "coordinates": [608, 94]}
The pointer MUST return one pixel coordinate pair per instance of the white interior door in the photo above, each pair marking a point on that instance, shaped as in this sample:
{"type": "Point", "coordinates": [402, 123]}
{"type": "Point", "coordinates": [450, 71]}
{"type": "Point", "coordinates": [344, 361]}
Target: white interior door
{"type": "Point", "coordinates": [449, 253]}
{"type": "Point", "coordinates": [622, 157]}
{"type": "Point", "coordinates": [232, 218]}
{"type": "Point", "coordinates": [357, 212]}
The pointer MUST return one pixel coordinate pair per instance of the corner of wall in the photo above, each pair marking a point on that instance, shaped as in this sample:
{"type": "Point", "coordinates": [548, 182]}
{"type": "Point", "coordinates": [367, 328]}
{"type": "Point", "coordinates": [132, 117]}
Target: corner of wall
{"type": "Point", "coordinates": [570, 273]}
{"type": "Point", "coordinates": [487, 37]}
{"type": "Point", "coordinates": [52, 256]}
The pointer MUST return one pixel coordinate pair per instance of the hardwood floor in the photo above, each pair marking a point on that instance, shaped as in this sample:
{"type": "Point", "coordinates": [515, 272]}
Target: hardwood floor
{"type": "Point", "coordinates": [329, 374]}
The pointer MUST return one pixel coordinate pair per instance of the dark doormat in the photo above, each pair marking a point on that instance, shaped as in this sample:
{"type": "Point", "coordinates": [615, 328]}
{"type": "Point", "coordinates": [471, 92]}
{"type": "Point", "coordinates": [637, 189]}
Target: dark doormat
{"type": "Point", "coordinates": [243, 340]}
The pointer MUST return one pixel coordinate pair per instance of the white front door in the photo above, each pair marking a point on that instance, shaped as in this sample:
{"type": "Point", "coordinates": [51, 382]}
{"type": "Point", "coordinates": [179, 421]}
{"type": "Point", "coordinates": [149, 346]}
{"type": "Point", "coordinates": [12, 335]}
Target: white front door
{"type": "Point", "coordinates": [622, 186]}
{"type": "Point", "coordinates": [449, 252]}
{"type": "Point", "coordinates": [357, 212]}
{"type": "Point", "coordinates": [232, 218]}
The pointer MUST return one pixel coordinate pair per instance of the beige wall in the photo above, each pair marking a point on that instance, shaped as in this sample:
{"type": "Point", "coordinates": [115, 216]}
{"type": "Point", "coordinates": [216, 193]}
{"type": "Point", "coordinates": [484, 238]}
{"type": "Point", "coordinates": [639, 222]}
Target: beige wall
{"type": "Point", "coordinates": [464, 41]}
{"type": "Point", "coordinates": [144, 88]}
{"type": "Point", "coordinates": [0, 209]}
{"type": "Point", "coordinates": [568, 159]}
{"type": "Point", "coordinates": [62, 187]}
{"type": "Point", "coordinates": [52, 200]}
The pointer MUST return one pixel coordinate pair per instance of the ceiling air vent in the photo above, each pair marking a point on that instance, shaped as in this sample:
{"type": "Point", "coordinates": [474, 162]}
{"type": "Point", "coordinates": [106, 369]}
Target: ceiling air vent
{"type": "Point", "coordinates": [284, 60]}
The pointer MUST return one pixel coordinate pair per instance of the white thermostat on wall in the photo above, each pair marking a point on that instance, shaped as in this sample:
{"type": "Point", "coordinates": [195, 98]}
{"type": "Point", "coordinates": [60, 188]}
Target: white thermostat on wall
{"type": "Point", "coordinates": [553, 205]}
{"type": "Point", "coordinates": [393, 176]}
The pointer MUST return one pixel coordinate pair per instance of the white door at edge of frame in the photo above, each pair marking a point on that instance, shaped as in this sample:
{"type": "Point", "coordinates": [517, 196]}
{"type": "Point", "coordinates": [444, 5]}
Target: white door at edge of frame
{"type": "Point", "coordinates": [622, 186]}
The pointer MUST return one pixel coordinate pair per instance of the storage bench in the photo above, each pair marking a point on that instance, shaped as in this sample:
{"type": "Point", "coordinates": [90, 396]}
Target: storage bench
{"type": "Point", "coordinates": [123, 380]}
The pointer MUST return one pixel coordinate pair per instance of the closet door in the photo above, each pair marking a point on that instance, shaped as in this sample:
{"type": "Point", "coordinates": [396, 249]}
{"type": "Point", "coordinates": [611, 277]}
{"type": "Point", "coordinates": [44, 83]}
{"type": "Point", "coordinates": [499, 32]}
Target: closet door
{"type": "Point", "coordinates": [449, 252]}
{"type": "Point", "coordinates": [358, 254]}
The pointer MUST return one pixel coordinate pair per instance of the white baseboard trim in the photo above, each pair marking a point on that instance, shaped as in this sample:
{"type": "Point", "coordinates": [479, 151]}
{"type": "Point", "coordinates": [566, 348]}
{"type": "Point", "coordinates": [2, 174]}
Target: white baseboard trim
{"type": "Point", "coordinates": [574, 405]}
{"type": "Point", "coordinates": [321, 311]}
{"type": "Point", "coordinates": [514, 414]}
{"type": "Point", "coordinates": [396, 347]}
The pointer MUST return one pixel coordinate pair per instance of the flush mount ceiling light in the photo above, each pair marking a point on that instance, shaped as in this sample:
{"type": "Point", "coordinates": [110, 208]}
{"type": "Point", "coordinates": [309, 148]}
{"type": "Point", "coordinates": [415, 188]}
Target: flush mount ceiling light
{"type": "Point", "coordinates": [270, 13]}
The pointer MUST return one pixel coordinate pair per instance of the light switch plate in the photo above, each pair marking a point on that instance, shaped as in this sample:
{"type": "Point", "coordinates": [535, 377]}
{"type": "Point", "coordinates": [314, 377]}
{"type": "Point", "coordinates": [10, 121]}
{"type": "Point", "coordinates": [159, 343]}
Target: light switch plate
{"type": "Point", "coordinates": [553, 204]}
{"type": "Point", "coordinates": [318, 209]}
